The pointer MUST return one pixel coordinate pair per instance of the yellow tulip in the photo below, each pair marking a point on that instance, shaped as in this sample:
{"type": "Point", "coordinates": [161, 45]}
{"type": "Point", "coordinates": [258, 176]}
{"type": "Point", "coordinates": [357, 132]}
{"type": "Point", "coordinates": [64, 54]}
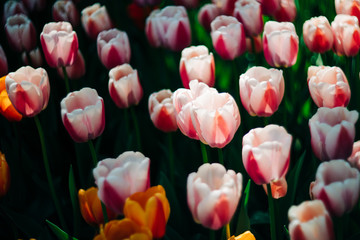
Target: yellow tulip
{"type": "Point", "coordinates": [245, 236]}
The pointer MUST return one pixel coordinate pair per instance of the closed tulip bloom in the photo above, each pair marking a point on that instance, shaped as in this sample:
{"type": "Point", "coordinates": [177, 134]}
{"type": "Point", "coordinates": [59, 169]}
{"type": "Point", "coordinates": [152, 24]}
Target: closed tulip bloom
{"type": "Point", "coordinates": [132, 168]}
{"type": "Point", "coordinates": [337, 184]}
{"type": "Point", "coordinates": [310, 220]}
{"type": "Point", "coordinates": [65, 11]}
{"type": "Point", "coordinates": [333, 132]}
{"type": "Point", "coordinates": [3, 63]}
{"type": "Point", "coordinates": [261, 90]}
{"type": "Point", "coordinates": [207, 14]}
{"type": "Point", "coordinates": [20, 33]}
{"type": "Point", "coordinates": [34, 5]}
{"type": "Point", "coordinates": [286, 12]}
{"type": "Point", "coordinates": [162, 110]}
{"type": "Point", "coordinates": [354, 158]}
{"type": "Point", "coordinates": [169, 28]}
{"type": "Point", "coordinates": [249, 13]}
{"type": "Point", "coordinates": [6, 107]}
{"type": "Point", "coordinates": [346, 35]}
{"type": "Point", "coordinates": [266, 153]}
{"type": "Point", "coordinates": [124, 86]}
{"type": "Point", "coordinates": [226, 6]}
{"type": "Point", "coordinates": [318, 35]}
{"type": "Point", "coordinates": [197, 63]}
{"type": "Point", "coordinates": [213, 194]}
{"type": "Point", "coordinates": [76, 70]}
{"type": "Point", "coordinates": [13, 7]}
{"type": "Point", "coordinates": [95, 19]}
{"type": "Point", "coordinates": [328, 86]}
{"type": "Point", "coordinates": [59, 43]}
{"type": "Point", "coordinates": [28, 90]}
{"type": "Point", "coordinates": [4, 176]}
{"type": "Point", "coordinates": [113, 48]}
{"type": "Point", "coordinates": [269, 7]}
{"type": "Point", "coordinates": [36, 59]}
{"type": "Point", "coordinates": [228, 37]}
{"type": "Point", "coordinates": [349, 7]}
{"type": "Point", "coordinates": [245, 236]}
{"type": "Point", "coordinates": [278, 188]}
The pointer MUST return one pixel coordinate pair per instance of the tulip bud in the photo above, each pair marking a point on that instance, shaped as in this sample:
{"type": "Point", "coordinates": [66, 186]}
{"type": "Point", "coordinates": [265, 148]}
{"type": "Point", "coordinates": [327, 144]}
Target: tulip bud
{"type": "Point", "coordinates": [226, 6]}
{"type": "Point", "coordinates": [11, 8]}
{"type": "Point", "coordinates": [354, 158]}
{"type": "Point", "coordinates": [249, 13]}
{"type": "Point", "coordinates": [207, 14]}
{"type": "Point", "coordinates": [4, 176]}
{"type": "Point", "coordinates": [6, 107]}
{"type": "Point", "coordinates": [349, 7]}
{"type": "Point", "coordinates": [286, 12]}
{"type": "Point", "coordinates": [318, 35]}
{"type": "Point", "coordinates": [278, 188]}
{"type": "Point", "coordinates": [95, 19]}
{"type": "Point", "coordinates": [65, 11]}
{"type": "Point", "coordinates": [76, 70]}
{"type": "Point", "coordinates": [35, 56]}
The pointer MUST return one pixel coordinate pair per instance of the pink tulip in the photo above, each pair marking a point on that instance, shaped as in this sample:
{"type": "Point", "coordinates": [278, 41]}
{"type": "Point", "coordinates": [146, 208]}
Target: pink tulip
{"type": "Point", "coordinates": [228, 37]}
{"type": "Point", "coordinates": [318, 35]}
{"type": "Point", "coordinates": [213, 194]}
{"type": "Point", "coordinates": [95, 19]}
{"type": "Point", "coordinates": [162, 110]}
{"type": "Point", "coordinates": [119, 178]}
{"type": "Point", "coordinates": [350, 7]}
{"type": "Point", "coordinates": [354, 158]}
{"type": "Point", "coordinates": [76, 70]}
{"type": "Point", "coordinates": [197, 63]}
{"type": "Point", "coordinates": [286, 12]}
{"type": "Point", "coordinates": [254, 44]}
{"type": "Point", "coordinates": [3, 63]}
{"type": "Point", "coordinates": [65, 11]}
{"type": "Point", "coordinates": [20, 33]}
{"type": "Point", "coordinates": [266, 153]}
{"type": "Point", "coordinates": [113, 48]}
{"type": "Point", "coordinates": [281, 44]}
{"type": "Point", "coordinates": [34, 5]}
{"type": "Point", "coordinates": [261, 90]}
{"type": "Point", "coordinates": [346, 35]}
{"type": "Point", "coordinates": [333, 132]}
{"type": "Point", "coordinates": [11, 8]}
{"type": "Point", "coordinates": [83, 114]}
{"type": "Point", "coordinates": [310, 220]}
{"type": "Point", "coordinates": [59, 43]}
{"type": "Point", "coordinates": [28, 90]}
{"type": "Point", "coordinates": [36, 59]}
{"type": "Point", "coordinates": [207, 14]}
{"type": "Point", "coordinates": [269, 7]}
{"type": "Point", "coordinates": [337, 185]}
{"type": "Point", "coordinates": [249, 13]}
{"type": "Point", "coordinates": [328, 86]}
{"type": "Point", "coordinates": [226, 6]}
{"type": "Point", "coordinates": [169, 28]}
{"type": "Point", "coordinates": [278, 188]}
{"type": "Point", "coordinates": [124, 86]}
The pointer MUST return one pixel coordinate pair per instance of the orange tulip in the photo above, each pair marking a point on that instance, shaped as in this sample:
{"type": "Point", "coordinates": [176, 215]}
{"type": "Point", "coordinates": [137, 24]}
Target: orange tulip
{"type": "Point", "coordinates": [245, 236]}
{"type": "Point", "coordinates": [150, 208]}
{"type": "Point", "coordinates": [4, 175]}
{"type": "Point", "coordinates": [6, 107]}
{"type": "Point", "coordinates": [90, 207]}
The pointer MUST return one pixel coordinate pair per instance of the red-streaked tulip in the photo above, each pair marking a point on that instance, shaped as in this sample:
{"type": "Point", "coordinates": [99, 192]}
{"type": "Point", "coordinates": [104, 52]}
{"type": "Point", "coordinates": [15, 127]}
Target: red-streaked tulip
{"type": "Point", "coordinates": [333, 132]}
{"type": "Point", "coordinates": [337, 184]}
{"type": "Point", "coordinates": [278, 188]}
{"type": "Point", "coordinates": [249, 13]}
{"type": "Point", "coordinates": [269, 7]}
{"type": "Point", "coordinates": [132, 168]}
{"type": "Point", "coordinates": [124, 86]}
{"type": "Point", "coordinates": [113, 48]}
{"type": "Point", "coordinates": [286, 12]}
{"type": "Point", "coordinates": [28, 90]}
{"type": "Point", "coordinates": [310, 220]}
{"type": "Point", "coordinates": [83, 114]}
{"type": "Point", "coordinates": [261, 90]}
{"type": "Point", "coordinates": [35, 55]}
{"type": "Point", "coordinates": [318, 35]}
{"type": "Point", "coordinates": [354, 159]}
{"type": "Point", "coordinates": [197, 63]}
{"type": "Point", "coordinates": [328, 86]}
{"type": "Point", "coordinates": [65, 11]}
{"type": "Point", "coordinates": [226, 6]}
{"type": "Point", "coordinates": [207, 14]}
{"type": "Point", "coordinates": [3, 62]}
{"type": "Point", "coordinates": [4, 176]}
{"type": "Point", "coordinates": [11, 8]}
{"type": "Point", "coordinates": [162, 110]}
{"type": "Point", "coordinates": [346, 35]}
{"type": "Point", "coordinates": [20, 33]}
{"type": "Point", "coordinates": [6, 107]}
{"type": "Point", "coordinates": [169, 28]}
{"type": "Point", "coordinates": [266, 153]}
{"type": "Point", "coordinates": [228, 37]}
{"type": "Point", "coordinates": [213, 194]}
{"type": "Point", "coordinates": [95, 19]}
{"type": "Point", "coordinates": [34, 5]}
{"type": "Point", "coordinates": [254, 44]}
{"type": "Point", "coordinates": [350, 7]}
{"type": "Point", "coordinates": [76, 70]}
{"type": "Point", "coordinates": [244, 236]}
{"type": "Point", "coordinates": [59, 43]}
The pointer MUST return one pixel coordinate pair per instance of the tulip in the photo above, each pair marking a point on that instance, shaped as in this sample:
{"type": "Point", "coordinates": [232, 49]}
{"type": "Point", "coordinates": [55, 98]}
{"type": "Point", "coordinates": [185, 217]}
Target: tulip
{"type": "Point", "coordinates": [95, 19]}
{"type": "Point", "coordinates": [197, 63]}
{"type": "Point", "coordinates": [124, 86]}
{"type": "Point", "coordinates": [354, 158]}
{"type": "Point", "coordinates": [34, 5]}
{"type": "Point", "coordinates": [286, 12]}
{"type": "Point", "coordinates": [4, 176]}
{"type": "Point", "coordinates": [350, 7]}
{"type": "Point", "coordinates": [113, 48]}
{"type": "Point", "coordinates": [318, 35]}
{"type": "Point", "coordinates": [76, 70]}
{"type": "Point", "coordinates": [65, 11]}
{"type": "Point", "coordinates": [269, 7]}
{"type": "Point", "coordinates": [213, 194]}
{"type": "Point", "coordinates": [162, 110]}
{"type": "Point", "coordinates": [328, 86]}
{"type": "Point", "coordinates": [28, 90]}
{"type": "Point", "coordinates": [83, 114]}
{"type": "Point", "coordinates": [20, 33]}
{"type": "Point", "coordinates": [6, 107]}
{"type": "Point", "coordinates": [90, 207]}
{"type": "Point", "coordinates": [207, 14]}
{"type": "Point", "coordinates": [228, 37]}
{"type": "Point", "coordinates": [266, 153]}
{"type": "Point", "coordinates": [59, 43]}
{"type": "Point", "coordinates": [281, 44]}
{"type": "Point", "coordinates": [278, 188]}
{"type": "Point", "coordinates": [169, 28]}
{"type": "Point", "coordinates": [226, 6]}
{"type": "Point", "coordinates": [346, 35]}
{"type": "Point", "coordinates": [245, 236]}
{"type": "Point", "coordinates": [254, 44]}
{"type": "Point", "coordinates": [310, 220]}
{"type": "Point", "coordinates": [333, 132]}
{"type": "Point", "coordinates": [3, 63]}
{"type": "Point", "coordinates": [261, 90]}
{"type": "Point", "coordinates": [11, 8]}
{"type": "Point", "coordinates": [35, 56]}
{"type": "Point", "coordinates": [149, 209]}
{"type": "Point", "coordinates": [337, 185]}
{"type": "Point", "coordinates": [249, 13]}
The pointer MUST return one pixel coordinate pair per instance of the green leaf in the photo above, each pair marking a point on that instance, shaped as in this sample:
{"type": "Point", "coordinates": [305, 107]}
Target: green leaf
{"type": "Point", "coordinates": [60, 234]}
{"type": "Point", "coordinates": [243, 222]}
{"type": "Point", "coordinates": [74, 200]}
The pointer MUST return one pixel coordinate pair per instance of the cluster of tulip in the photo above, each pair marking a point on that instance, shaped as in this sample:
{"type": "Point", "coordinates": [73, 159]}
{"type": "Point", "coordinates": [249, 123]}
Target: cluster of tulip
{"type": "Point", "coordinates": [255, 118]}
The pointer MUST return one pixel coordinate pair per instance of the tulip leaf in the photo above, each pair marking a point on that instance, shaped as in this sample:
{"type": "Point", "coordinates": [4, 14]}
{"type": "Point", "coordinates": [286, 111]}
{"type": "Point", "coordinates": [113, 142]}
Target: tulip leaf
{"type": "Point", "coordinates": [243, 222]}
{"type": "Point", "coordinates": [59, 233]}
{"type": "Point", "coordinates": [74, 200]}
{"type": "Point", "coordinates": [294, 177]}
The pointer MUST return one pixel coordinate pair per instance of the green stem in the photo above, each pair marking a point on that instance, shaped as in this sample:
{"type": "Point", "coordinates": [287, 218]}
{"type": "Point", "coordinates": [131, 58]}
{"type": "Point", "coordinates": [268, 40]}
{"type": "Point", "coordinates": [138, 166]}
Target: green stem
{"type": "Point", "coordinates": [103, 207]}
{"type": "Point", "coordinates": [221, 156]}
{"type": "Point", "coordinates": [67, 86]}
{"type": "Point", "coordinates": [171, 159]}
{"type": "Point", "coordinates": [203, 152]}
{"type": "Point", "coordinates": [228, 231]}
{"type": "Point", "coordinates": [212, 234]}
{"type": "Point", "coordinates": [137, 130]}
{"type": "Point", "coordinates": [48, 175]}
{"type": "Point", "coordinates": [271, 213]}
